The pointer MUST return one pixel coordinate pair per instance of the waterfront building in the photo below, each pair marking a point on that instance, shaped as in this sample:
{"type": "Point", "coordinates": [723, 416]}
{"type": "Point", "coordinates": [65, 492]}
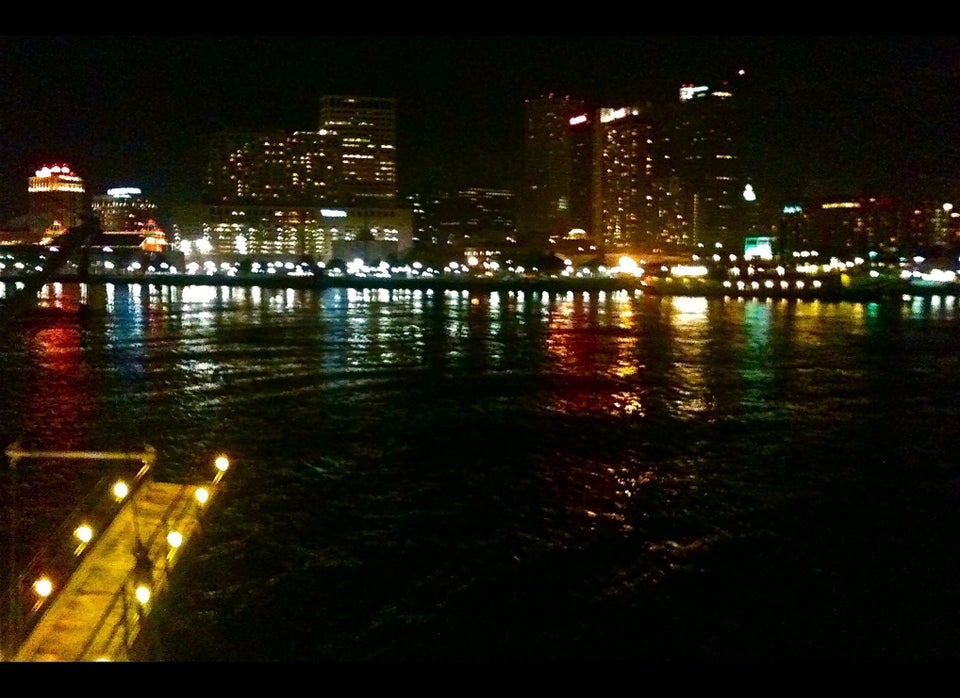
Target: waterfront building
{"type": "Point", "coordinates": [124, 209]}
{"type": "Point", "coordinates": [555, 193]}
{"type": "Point", "coordinates": [419, 235]}
{"type": "Point", "coordinates": [474, 218]}
{"type": "Point", "coordinates": [291, 232]}
{"type": "Point", "coordinates": [366, 153]}
{"type": "Point", "coordinates": [703, 151]}
{"type": "Point", "coordinates": [932, 226]}
{"type": "Point", "coordinates": [294, 195]}
{"type": "Point", "coordinates": [273, 166]}
{"type": "Point", "coordinates": [849, 227]}
{"type": "Point", "coordinates": [624, 210]}
{"type": "Point", "coordinates": [57, 201]}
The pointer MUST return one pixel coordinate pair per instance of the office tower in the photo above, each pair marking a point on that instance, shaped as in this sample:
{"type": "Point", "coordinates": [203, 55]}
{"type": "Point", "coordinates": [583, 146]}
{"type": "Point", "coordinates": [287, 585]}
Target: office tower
{"type": "Point", "coordinates": [280, 194]}
{"type": "Point", "coordinates": [847, 227]}
{"type": "Point", "coordinates": [366, 134]}
{"type": "Point", "coordinates": [471, 218]}
{"type": "Point", "coordinates": [57, 201]}
{"type": "Point", "coordinates": [273, 167]}
{"type": "Point", "coordinates": [581, 174]}
{"type": "Point", "coordinates": [706, 157]}
{"type": "Point", "coordinates": [556, 156]}
{"type": "Point", "coordinates": [128, 220]}
{"type": "Point", "coordinates": [624, 211]}
{"type": "Point", "coordinates": [124, 209]}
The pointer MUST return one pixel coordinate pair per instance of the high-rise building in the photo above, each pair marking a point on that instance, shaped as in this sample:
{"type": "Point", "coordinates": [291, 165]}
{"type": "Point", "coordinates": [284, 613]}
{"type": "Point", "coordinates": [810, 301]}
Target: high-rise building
{"type": "Point", "coordinates": [128, 219]}
{"type": "Point", "coordinates": [624, 210]}
{"type": "Point", "coordinates": [581, 174]}
{"type": "Point", "coordinates": [844, 227]}
{"type": "Point", "coordinates": [471, 217]}
{"type": "Point", "coordinates": [280, 194]}
{"type": "Point", "coordinates": [704, 159]}
{"type": "Point", "coordinates": [367, 139]}
{"type": "Point", "coordinates": [273, 167]}
{"type": "Point", "coordinates": [123, 209]}
{"type": "Point", "coordinates": [57, 201]}
{"type": "Point", "coordinates": [556, 156]}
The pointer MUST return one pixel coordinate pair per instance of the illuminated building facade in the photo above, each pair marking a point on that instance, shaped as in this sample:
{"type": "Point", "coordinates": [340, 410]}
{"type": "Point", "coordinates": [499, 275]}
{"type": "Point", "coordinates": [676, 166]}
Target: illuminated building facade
{"type": "Point", "coordinates": [128, 220]}
{"type": "Point", "coordinates": [123, 209]}
{"type": "Point", "coordinates": [845, 227]}
{"type": "Point", "coordinates": [366, 156]}
{"type": "Point", "coordinates": [283, 194]}
{"type": "Point", "coordinates": [704, 161]}
{"type": "Point", "coordinates": [57, 201]}
{"type": "Point", "coordinates": [581, 174]}
{"type": "Point", "coordinates": [295, 232]}
{"type": "Point", "coordinates": [555, 192]}
{"type": "Point", "coordinates": [624, 213]}
{"type": "Point", "coordinates": [273, 167]}
{"type": "Point", "coordinates": [932, 226]}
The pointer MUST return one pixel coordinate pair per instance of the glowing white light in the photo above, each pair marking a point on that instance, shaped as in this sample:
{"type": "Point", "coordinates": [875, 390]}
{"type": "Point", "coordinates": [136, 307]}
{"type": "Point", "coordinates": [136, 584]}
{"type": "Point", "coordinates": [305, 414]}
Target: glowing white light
{"type": "Point", "coordinates": [43, 587]}
{"type": "Point", "coordinates": [688, 270]}
{"type": "Point", "coordinates": [142, 593]}
{"type": "Point", "coordinates": [123, 192]}
{"type": "Point", "coordinates": [84, 533]}
{"type": "Point", "coordinates": [607, 114]}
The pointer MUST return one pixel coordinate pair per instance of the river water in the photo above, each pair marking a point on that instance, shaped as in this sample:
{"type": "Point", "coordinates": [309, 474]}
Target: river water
{"type": "Point", "coordinates": [503, 475]}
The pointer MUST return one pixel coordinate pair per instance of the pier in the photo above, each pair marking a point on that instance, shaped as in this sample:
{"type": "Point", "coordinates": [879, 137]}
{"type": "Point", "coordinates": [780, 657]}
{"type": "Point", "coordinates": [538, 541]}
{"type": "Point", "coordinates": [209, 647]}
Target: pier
{"type": "Point", "coordinates": [91, 602]}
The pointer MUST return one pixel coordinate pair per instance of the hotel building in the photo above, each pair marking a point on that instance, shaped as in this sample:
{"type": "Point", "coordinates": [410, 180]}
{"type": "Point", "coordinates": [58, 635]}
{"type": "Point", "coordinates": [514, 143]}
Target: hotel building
{"type": "Point", "coordinates": [294, 195]}
{"type": "Point", "coordinates": [57, 202]}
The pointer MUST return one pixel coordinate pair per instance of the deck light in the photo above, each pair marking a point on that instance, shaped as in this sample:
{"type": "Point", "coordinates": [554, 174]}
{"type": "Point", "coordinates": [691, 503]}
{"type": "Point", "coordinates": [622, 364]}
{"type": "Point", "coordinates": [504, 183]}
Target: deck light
{"type": "Point", "coordinates": [84, 533]}
{"type": "Point", "coordinates": [142, 592]}
{"type": "Point", "coordinates": [222, 464]}
{"type": "Point", "coordinates": [43, 586]}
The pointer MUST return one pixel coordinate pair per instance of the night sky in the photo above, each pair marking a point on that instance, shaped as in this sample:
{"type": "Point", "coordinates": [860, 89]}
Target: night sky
{"type": "Point", "coordinates": [872, 112]}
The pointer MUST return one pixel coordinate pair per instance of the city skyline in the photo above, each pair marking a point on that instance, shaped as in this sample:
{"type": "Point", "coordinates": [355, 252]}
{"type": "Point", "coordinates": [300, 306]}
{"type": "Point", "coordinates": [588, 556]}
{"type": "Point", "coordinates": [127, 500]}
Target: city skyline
{"type": "Point", "coordinates": [861, 112]}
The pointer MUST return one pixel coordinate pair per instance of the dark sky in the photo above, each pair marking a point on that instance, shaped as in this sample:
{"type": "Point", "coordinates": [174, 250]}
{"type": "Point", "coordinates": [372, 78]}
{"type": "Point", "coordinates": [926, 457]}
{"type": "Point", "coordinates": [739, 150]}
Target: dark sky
{"type": "Point", "coordinates": [871, 111]}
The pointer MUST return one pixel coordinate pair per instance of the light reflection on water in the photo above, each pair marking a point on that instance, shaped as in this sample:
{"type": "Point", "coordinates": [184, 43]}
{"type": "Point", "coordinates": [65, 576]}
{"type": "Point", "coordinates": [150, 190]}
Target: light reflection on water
{"type": "Point", "coordinates": [493, 469]}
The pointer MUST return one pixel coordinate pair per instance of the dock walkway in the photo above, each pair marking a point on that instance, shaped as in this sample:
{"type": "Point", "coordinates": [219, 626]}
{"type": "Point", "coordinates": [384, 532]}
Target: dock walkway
{"type": "Point", "coordinates": [97, 616]}
{"type": "Point", "coordinates": [95, 609]}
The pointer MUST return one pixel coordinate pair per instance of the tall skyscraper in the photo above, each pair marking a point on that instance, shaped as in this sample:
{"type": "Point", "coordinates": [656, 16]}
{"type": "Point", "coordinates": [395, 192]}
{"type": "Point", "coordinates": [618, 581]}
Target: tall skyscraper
{"type": "Point", "coordinates": [57, 200]}
{"type": "Point", "coordinates": [706, 156]}
{"type": "Point", "coordinates": [582, 173]}
{"type": "Point", "coordinates": [554, 157]}
{"type": "Point", "coordinates": [624, 211]}
{"type": "Point", "coordinates": [367, 137]}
